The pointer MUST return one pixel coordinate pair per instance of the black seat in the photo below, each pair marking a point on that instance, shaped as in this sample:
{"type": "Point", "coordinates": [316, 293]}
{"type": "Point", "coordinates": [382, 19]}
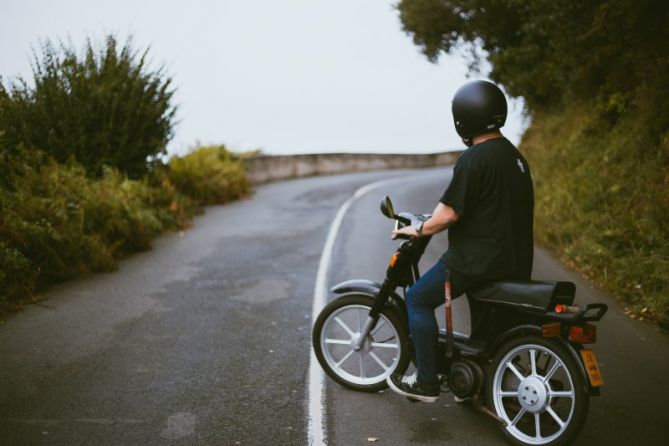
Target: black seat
{"type": "Point", "coordinates": [526, 294]}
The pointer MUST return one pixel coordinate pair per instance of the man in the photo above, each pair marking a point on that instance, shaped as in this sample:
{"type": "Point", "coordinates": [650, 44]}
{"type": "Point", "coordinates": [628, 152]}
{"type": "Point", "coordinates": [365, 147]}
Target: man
{"type": "Point", "coordinates": [488, 209]}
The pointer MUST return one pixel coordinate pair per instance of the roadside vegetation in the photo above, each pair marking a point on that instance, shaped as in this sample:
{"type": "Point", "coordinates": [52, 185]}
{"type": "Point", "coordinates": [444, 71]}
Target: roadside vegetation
{"type": "Point", "coordinates": [83, 175]}
{"type": "Point", "coordinates": [593, 75]}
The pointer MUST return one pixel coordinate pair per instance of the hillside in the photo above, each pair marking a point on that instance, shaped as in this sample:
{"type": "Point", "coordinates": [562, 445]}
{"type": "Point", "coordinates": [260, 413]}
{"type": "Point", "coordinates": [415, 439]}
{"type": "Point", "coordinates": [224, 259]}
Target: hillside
{"type": "Point", "coordinates": [593, 76]}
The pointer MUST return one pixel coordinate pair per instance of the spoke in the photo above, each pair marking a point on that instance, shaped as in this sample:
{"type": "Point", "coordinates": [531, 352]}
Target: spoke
{"type": "Point", "coordinates": [379, 362]}
{"type": "Point", "coordinates": [514, 370]}
{"type": "Point", "coordinates": [362, 366]}
{"type": "Point", "coordinates": [550, 410]}
{"type": "Point", "coordinates": [565, 393]}
{"type": "Point", "coordinates": [537, 425]}
{"type": "Point", "coordinates": [533, 361]}
{"type": "Point", "coordinates": [346, 356]}
{"type": "Point", "coordinates": [359, 324]}
{"type": "Point", "coordinates": [338, 341]}
{"type": "Point", "coordinates": [518, 416]}
{"type": "Point", "coordinates": [507, 393]}
{"type": "Point", "coordinates": [380, 324]}
{"type": "Point", "coordinates": [345, 327]}
{"type": "Point", "coordinates": [384, 345]}
{"type": "Point", "coordinates": [552, 371]}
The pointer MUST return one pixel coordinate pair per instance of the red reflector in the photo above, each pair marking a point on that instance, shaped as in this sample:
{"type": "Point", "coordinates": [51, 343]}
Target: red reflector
{"type": "Point", "coordinates": [394, 258]}
{"type": "Point", "coordinates": [586, 334]}
{"type": "Point", "coordinates": [551, 330]}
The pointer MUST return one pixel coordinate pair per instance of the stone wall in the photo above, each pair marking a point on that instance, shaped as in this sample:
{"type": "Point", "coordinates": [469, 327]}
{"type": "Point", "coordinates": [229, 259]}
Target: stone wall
{"type": "Point", "coordinates": [262, 169]}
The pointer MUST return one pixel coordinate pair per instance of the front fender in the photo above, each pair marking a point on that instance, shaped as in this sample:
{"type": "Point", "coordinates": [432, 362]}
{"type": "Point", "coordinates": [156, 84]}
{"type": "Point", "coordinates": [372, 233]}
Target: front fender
{"type": "Point", "coordinates": [370, 288]}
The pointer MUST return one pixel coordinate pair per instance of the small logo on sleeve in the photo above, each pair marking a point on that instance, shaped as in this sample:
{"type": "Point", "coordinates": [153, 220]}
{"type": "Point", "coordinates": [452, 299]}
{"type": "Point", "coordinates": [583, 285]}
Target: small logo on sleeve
{"type": "Point", "coordinates": [520, 165]}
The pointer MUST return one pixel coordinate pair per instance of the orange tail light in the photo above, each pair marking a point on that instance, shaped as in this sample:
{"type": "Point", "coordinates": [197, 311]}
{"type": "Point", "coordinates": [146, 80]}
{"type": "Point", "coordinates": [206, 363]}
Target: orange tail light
{"type": "Point", "coordinates": [551, 330]}
{"type": "Point", "coordinates": [586, 334]}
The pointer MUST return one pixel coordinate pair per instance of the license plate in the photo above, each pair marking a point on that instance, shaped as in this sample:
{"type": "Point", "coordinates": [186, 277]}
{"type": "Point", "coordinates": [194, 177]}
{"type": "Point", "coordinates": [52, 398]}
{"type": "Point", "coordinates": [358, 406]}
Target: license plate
{"type": "Point", "coordinates": [592, 368]}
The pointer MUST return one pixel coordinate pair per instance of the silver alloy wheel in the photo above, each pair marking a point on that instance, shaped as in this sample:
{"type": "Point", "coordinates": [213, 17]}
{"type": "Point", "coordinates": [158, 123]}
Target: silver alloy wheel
{"type": "Point", "coordinates": [380, 352]}
{"type": "Point", "coordinates": [533, 391]}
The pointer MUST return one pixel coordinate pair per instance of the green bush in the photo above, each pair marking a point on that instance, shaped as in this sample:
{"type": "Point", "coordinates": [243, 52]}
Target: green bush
{"type": "Point", "coordinates": [56, 222]}
{"type": "Point", "coordinates": [210, 175]}
{"type": "Point", "coordinates": [103, 107]}
{"type": "Point", "coordinates": [81, 179]}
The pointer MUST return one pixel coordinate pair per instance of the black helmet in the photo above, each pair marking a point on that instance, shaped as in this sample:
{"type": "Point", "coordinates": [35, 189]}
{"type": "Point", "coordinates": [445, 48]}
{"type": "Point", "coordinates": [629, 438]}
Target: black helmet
{"type": "Point", "coordinates": [478, 107]}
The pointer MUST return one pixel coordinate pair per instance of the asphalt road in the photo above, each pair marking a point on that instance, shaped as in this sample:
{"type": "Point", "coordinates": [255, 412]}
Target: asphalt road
{"type": "Point", "coordinates": [205, 339]}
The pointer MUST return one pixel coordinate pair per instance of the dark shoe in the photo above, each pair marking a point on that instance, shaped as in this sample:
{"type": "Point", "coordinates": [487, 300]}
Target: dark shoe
{"type": "Point", "coordinates": [411, 388]}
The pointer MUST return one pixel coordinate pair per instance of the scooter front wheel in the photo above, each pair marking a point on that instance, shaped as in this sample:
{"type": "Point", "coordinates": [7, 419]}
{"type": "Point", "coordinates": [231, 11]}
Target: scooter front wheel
{"type": "Point", "coordinates": [384, 351]}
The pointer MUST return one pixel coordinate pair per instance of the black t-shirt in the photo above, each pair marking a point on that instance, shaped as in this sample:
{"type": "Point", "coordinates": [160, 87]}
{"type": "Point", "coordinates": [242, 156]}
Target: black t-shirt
{"type": "Point", "coordinates": [492, 193]}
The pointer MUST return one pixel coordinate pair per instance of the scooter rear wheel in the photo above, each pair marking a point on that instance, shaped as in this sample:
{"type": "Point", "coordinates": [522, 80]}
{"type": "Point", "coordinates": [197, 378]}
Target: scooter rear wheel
{"type": "Point", "coordinates": [535, 385]}
{"type": "Point", "coordinates": [384, 351]}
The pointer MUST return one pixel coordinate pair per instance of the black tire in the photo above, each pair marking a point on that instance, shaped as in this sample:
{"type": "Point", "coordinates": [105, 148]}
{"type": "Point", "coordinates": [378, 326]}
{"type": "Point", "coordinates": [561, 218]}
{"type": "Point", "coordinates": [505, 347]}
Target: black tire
{"type": "Point", "coordinates": [567, 378]}
{"type": "Point", "coordinates": [393, 326]}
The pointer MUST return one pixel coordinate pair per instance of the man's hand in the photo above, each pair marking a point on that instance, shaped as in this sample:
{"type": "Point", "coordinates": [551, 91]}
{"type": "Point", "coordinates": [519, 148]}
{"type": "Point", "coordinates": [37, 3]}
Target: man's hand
{"type": "Point", "coordinates": [442, 217]}
{"type": "Point", "coordinates": [407, 230]}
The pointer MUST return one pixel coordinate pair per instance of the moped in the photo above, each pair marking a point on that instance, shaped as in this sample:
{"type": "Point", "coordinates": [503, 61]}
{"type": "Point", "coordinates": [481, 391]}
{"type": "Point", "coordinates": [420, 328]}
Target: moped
{"type": "Point", "coordinates": [524, 364]}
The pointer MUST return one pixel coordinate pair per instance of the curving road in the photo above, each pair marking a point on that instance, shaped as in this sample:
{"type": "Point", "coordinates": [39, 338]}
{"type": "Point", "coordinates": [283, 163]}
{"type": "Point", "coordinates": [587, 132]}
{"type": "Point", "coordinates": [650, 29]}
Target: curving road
{"type": "Point", "coordinates": [205, 339]}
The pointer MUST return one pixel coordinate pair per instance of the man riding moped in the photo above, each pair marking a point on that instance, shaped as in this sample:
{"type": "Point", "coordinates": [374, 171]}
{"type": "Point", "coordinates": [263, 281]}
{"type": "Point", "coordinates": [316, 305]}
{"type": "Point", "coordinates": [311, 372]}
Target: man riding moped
{"type": "Point", "coordinates": [488, 209]}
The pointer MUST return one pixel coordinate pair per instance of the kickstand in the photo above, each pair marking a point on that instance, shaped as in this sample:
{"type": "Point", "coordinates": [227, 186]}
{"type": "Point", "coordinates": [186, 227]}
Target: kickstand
{"type": "Point", "coordinates": [478, 405]}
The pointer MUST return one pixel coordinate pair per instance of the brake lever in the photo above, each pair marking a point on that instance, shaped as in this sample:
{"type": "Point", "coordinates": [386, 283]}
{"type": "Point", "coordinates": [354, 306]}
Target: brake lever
{"type": "Point", "coordinates": [404, 220]}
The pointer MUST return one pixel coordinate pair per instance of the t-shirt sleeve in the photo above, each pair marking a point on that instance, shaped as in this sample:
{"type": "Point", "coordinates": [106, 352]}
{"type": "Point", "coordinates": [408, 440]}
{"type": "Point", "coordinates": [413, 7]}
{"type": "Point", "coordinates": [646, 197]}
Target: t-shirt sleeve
{"type": "Point", "coordinates": [463, 191]}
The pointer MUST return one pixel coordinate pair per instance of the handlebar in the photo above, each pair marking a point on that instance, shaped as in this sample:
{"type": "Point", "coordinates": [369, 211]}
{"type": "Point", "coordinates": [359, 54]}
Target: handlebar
{"type": "Point", "coordinates": [410, 219]}
{"type": "Point", "coordinates": [404, 219]}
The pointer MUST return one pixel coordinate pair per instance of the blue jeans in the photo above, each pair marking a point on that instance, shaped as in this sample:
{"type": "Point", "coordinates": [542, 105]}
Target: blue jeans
{"type": "Point", "coordinates": [421, 300]}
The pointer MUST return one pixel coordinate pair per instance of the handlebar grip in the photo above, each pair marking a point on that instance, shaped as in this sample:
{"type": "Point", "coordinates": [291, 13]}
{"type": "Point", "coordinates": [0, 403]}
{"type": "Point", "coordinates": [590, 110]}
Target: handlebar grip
{"type": "Point", "coordinates": [404, 220]}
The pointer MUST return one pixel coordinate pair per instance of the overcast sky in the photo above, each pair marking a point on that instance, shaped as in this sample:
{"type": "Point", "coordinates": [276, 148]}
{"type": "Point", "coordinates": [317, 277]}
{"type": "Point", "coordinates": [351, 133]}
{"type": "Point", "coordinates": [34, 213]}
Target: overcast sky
{"type": "Point", "coordinates": [291, 76]}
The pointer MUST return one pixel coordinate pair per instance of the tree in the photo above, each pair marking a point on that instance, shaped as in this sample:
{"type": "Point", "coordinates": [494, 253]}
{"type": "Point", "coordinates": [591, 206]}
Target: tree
{"type": "Point", "coordinates": [106, 107]}
{"type": "Point", "coordinates": [545, 50]}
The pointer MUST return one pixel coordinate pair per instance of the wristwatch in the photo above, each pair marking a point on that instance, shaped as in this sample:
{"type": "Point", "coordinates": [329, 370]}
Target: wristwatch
{"type": "Point", "coordinates": [419, 228]}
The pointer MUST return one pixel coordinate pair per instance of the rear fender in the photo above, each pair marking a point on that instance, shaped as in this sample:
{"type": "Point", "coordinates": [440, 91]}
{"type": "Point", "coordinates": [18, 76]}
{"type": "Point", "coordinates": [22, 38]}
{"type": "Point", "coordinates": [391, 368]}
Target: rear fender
{"type": "Point", "coordinates": [371, 289]}
{"type": "Point", "coordinates": [512, 333]}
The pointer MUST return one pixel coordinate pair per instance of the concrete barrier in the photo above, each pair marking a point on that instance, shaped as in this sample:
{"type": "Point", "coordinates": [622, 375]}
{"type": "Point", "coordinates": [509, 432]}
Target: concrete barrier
{"type": "Point", "coordinates": [266, 168]}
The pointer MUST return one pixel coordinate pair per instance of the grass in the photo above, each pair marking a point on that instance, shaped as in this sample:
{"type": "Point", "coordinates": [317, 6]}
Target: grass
{"type": "Point", "coordinates": [602, 192]}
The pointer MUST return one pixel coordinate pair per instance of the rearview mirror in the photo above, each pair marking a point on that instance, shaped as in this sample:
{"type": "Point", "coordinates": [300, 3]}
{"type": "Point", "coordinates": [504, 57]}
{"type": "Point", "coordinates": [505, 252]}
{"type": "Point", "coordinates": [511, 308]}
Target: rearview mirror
{"type": "Point", "coordinates": [387, 207]}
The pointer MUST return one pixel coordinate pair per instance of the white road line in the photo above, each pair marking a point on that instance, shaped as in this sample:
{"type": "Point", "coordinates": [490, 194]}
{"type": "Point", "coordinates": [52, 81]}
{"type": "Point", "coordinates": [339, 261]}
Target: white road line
{"type": "Point", "coordinates": [316, 433]}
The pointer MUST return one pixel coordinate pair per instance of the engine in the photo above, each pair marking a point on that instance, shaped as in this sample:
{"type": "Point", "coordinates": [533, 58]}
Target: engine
{"type": "Point", "coordinates": [465, 378]}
